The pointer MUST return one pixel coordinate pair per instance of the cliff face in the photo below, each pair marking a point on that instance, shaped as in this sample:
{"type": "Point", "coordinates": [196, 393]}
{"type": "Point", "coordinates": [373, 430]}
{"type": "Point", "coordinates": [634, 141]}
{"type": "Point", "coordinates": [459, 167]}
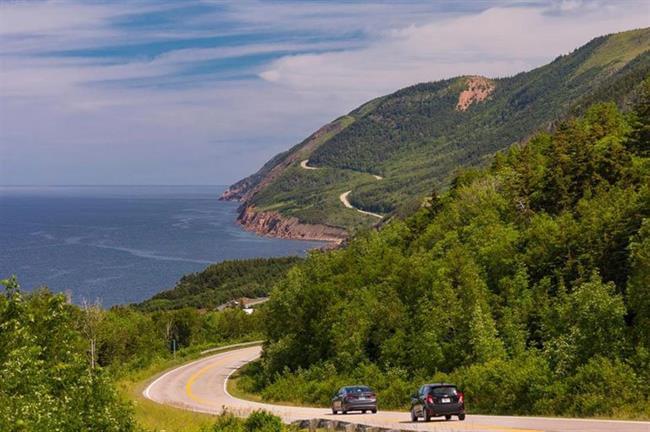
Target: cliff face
{"type": "Point", "coordinates": [274, 224]}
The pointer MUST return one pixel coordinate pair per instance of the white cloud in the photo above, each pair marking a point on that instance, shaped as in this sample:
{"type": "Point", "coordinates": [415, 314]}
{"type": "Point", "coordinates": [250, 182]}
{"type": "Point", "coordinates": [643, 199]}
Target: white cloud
{"type": "Point", "coordinates": [496, 42]}
{"type": "Point", "coordinates": [142, 120]}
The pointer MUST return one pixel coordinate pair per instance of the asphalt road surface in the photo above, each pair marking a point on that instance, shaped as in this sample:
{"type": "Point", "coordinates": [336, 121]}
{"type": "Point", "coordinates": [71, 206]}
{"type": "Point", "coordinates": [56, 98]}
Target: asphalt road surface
{"type": "Point", "coordinates": [201, 386]}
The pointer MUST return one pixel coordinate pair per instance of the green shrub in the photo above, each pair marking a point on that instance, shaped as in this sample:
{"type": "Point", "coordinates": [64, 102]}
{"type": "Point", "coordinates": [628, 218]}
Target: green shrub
{"type": "Point", "coordinates": [263, 421]}
{"type": "Point", "coordinates": [602, 387]}
{"type": "Point", "coordinates": [257, 421]}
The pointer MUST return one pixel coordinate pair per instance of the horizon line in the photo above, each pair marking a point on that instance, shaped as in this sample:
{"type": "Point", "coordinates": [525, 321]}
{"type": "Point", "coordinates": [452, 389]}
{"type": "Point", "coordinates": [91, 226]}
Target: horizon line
{"type": "Point", "coordinates": [109, 185]}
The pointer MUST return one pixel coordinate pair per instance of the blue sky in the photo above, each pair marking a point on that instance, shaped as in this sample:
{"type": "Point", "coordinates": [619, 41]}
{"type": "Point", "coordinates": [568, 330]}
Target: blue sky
{"type": "Point", "coordinates": [204, 92]}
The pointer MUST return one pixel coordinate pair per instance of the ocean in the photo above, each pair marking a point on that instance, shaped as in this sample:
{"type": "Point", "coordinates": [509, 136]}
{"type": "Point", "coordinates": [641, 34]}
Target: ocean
{"type": "Point", "coordinates": [122, 244]}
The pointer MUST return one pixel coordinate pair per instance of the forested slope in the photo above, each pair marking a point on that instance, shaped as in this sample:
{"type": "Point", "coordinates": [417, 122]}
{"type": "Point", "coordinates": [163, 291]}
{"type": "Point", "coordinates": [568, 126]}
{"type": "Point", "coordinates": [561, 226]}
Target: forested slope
{"type": "Point", "coordinates": [418, 136]}
{"type": "Point", "coordinates": [222, 282]}
{"type": "Point", "coordinates": [527, 284]}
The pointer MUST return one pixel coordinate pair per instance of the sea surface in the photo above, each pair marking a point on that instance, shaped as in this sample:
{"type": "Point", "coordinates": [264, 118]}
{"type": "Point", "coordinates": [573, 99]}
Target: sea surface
{"type": "Point", "coordinates": [122, 244]}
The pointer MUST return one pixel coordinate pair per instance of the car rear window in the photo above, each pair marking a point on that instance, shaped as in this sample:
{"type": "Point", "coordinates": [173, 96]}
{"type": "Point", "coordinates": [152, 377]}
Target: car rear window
{"type": "Point", "coordinates": [359, 389]}
{"type": "Point", "coordinates": [444, 391]}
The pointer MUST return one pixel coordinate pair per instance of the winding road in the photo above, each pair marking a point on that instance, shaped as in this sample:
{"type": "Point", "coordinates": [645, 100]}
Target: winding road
{"type": "Point", "coordinates": [344, 196]}
{"type": "Point", "coordinates": [344, 199]}
{"type": "Point", "coordinates": [201, 386]}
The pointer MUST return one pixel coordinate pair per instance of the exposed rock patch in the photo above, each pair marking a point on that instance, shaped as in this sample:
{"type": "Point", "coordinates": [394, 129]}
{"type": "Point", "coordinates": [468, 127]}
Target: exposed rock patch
{"type": "Point", "coordinates": [478, 89]}
{"type": "Point", "coordinates": [274, 224]}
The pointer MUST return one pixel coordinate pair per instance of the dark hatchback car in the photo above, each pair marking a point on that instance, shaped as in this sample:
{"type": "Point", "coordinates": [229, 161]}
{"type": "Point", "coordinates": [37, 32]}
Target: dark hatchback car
{"type": "Point", "coordinates": [354, 398]}
{"type": "Point", "coordinates": [435, 400]}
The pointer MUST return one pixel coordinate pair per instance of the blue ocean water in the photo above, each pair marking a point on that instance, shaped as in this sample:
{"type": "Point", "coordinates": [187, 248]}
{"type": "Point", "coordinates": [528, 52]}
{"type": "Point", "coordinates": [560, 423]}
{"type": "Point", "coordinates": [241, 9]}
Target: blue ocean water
{"type": "Point", "coordinates": [122, 244]}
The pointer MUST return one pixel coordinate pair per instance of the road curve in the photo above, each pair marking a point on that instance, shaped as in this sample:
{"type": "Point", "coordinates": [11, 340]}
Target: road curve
{"type": "Point", "coordinates": [344, 196]}
{"type": "Point", "coordinates": [201, 386]}
{"type": "Point", "coordinates": [303, 165]}
{"type": "Point", "coordinates": [344, 199]}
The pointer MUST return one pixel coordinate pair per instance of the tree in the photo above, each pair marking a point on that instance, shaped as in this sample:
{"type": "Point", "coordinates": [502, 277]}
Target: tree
{"type": "Point", "coordinates": [483, 338]}
{"type": "Point", "coordinates": [639, 140]}
{"type": "Point", "coordinates": [45, 375]}
{"type": "Point", "coordinates": [638, 286]}
{"type": "Point", "coordinates": [595, 314]}
{"type": "Point", "coordinates": [91, 318]}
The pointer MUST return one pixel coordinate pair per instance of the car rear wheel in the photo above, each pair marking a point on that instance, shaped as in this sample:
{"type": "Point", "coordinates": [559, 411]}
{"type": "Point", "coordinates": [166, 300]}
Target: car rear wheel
{"type": "Point", "coordinates": [335, 412]}
{"type": "Point", "coordinates": [374, 411]}
{"type": "Point", "coordinates": [414, 416]}
{"type": "Point", "coordinates": [447, 417]}
{"type": "Point", "coordinates": [461, 417]}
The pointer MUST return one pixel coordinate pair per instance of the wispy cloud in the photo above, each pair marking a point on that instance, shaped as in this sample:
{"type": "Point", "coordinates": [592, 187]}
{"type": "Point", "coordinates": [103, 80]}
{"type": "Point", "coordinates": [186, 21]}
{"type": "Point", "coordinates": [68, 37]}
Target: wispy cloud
{"type": "Point", "coordinates": [206, 91]}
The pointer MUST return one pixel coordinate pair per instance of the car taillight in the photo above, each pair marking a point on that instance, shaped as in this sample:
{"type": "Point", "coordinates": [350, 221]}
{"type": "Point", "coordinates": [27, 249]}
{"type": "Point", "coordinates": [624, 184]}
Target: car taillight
{"type": "Point", "coordinates": [461, 397]}
{"type": "Point", "coordinates": [372, 396]}
{"type": "Point", "coordinates": [430, 399]}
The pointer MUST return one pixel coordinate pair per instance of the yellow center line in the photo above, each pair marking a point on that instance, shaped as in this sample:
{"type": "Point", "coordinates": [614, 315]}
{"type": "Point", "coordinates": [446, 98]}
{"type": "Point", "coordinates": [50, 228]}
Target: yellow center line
{"type": "Point", "coordinates": [505, 428]}
{"type": "Point", "coordinates": [219, 362]}
{"type": "Point", "coordinates": [195, 376]}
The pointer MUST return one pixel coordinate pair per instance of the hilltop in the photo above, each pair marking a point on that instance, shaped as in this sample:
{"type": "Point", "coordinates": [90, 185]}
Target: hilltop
{"type": "Point", "coordinates": [387, 155]}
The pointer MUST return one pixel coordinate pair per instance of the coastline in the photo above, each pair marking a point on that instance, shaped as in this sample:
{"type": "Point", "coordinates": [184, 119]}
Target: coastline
{"type": "Point", "coordinates": [273, 224]}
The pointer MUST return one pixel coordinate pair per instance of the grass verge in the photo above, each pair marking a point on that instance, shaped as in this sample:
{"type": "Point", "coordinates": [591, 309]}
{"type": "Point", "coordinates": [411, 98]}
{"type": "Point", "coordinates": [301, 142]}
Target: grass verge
{"type": "Point", "coordinates": [156, 417]}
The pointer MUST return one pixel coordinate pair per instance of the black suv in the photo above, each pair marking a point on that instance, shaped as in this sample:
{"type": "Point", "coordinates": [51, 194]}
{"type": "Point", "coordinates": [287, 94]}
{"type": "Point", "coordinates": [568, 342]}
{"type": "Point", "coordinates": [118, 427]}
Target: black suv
{"type": "Point", "coordinates": [434, 400]}
{"type": "Point", "coordinates": [354, 398]}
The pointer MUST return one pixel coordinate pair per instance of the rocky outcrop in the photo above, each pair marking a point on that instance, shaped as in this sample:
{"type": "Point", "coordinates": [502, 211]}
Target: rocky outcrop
{"type": "Point", "coordinates": [274, 224]}
{"type": "Point", "coordinates": [236, 192]}
{"type": "Point", "coordinates": [478, 89]}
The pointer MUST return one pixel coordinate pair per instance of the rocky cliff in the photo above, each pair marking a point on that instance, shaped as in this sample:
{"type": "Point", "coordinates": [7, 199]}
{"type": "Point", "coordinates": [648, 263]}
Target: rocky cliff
{"type": "Point", "coordinates": [274, 224]}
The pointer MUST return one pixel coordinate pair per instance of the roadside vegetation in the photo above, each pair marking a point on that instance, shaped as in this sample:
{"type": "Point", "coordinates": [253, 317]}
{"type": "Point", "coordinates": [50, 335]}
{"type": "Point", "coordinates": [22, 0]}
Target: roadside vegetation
{"type": "Point", "coordinates": [70, 368]}
{"type": "Point", "coordinates": [526, 284]}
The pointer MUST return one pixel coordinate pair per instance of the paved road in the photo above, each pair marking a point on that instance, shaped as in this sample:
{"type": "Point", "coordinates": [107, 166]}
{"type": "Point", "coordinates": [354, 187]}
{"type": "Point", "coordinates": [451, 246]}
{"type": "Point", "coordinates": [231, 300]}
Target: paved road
{"type": "Point", "coordinates": [344, 199]}
{"type": "Point", "coordinates": [344, 196]}
{"type": "Point", "coordinates": [201, 386]}
{"type": "Point", "coordinates": [304, 165]}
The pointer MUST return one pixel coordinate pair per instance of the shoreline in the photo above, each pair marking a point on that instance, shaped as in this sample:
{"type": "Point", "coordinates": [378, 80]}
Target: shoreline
{"type": "Point", "coordinates": [274, 225]}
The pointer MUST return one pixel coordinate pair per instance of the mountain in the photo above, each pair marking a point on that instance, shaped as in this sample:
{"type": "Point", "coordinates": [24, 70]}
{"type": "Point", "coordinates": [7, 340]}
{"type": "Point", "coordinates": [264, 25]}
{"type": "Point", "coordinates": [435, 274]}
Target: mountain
{"type": "Point", "coordinates": [389, 153]}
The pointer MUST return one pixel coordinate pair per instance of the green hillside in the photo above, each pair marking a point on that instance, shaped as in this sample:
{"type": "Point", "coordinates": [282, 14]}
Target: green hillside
{"type": "Point", "coordinates": [417, 137]}
{"type": "Point", "coordinates": [222, 282]}
{"type": "Point", "coordinates": [527, 283]}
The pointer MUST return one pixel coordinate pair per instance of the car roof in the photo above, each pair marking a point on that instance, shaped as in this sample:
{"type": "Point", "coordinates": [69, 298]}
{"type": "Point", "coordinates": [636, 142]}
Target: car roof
{"type": "Point", "coordinates": [355, 386]}
{"type": "Point", "coordinates": [441, 385]}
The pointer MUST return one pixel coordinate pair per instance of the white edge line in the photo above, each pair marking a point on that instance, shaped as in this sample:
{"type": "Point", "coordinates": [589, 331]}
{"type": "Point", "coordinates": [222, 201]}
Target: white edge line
{"type": "Point", "coordinates": [225, 382]}
{"type": "Point", "coordinates": [145, 392]}
{"type": "Point", "coordinates": [225, 389]}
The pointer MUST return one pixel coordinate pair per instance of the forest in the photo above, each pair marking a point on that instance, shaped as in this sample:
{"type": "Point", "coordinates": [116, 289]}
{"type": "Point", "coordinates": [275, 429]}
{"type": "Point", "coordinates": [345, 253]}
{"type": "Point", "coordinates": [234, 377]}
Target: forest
{"type": "Point", "coordinates": [219, 283]}
{"type": "Point", "coordinates": [527, 284]}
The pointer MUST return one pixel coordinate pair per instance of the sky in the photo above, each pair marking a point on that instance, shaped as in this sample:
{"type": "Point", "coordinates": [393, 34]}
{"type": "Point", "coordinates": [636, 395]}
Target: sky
{"type": "Point", "coordinates": [204, 92]}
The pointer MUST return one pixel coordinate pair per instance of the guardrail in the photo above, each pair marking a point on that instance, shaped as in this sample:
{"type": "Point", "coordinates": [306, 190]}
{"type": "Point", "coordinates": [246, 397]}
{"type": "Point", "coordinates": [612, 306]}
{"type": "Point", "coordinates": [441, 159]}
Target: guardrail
{"type": "Point", "coordinates": [337, 425]}
{"type": "Point", "coordinates": [229, 347]}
